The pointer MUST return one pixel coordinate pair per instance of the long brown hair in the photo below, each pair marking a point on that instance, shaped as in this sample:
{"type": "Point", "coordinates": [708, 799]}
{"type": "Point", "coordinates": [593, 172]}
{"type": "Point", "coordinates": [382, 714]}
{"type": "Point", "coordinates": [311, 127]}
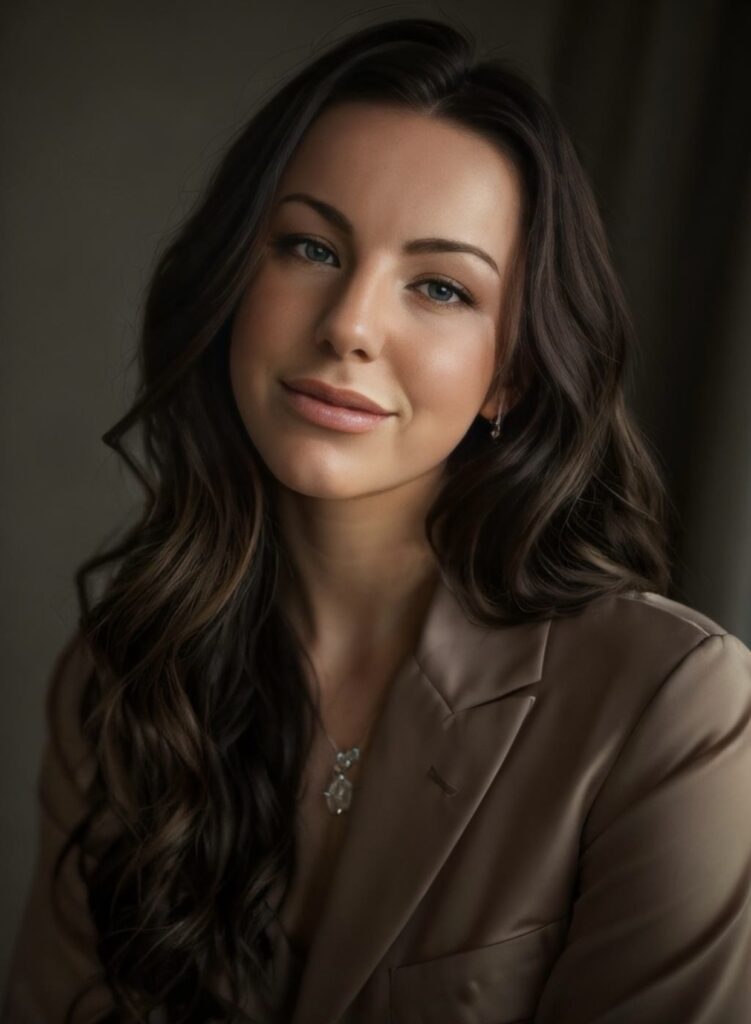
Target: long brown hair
{"type": "Point", "coordinates": [195, 708]}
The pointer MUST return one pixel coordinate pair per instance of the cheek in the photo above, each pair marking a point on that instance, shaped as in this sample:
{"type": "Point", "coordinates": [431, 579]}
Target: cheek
{"type": "Point", "coordinates": [250, 347]}
{"type": "Point", "coordinates": [450, 379]}
{"type": "Point", "coordinates": [261, 319]}
{"type": "Point", "coordinates": [263, 331]}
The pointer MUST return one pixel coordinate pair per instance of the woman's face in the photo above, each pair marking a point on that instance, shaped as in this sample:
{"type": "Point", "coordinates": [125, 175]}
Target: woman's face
{"type": "Point", "coordinates": [365, 308]}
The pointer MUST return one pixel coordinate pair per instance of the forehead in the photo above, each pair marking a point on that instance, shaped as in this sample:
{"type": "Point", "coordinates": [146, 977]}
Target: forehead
{"type": "Point", "coordinates": [405, 173]}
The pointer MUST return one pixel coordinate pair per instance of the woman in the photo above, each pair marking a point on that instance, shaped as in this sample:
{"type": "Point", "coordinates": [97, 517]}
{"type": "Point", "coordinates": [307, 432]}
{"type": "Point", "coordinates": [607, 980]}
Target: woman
{"type": "Point", "coordinates": [385, 713]}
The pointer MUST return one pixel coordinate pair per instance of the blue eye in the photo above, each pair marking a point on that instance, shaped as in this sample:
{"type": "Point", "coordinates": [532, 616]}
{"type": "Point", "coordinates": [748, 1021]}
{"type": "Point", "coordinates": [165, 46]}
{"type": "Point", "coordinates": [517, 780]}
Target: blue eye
{"type": "Point", "coordinates": [463, 296]}
{"type": "Point", "coordinates": [288, 243]}
{"type": "Point", "coordinates": [310, 244]}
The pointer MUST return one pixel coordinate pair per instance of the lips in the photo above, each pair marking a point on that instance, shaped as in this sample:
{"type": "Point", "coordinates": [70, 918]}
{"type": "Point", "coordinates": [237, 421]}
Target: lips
{"type": "Point", "coordinates": [342, 397]}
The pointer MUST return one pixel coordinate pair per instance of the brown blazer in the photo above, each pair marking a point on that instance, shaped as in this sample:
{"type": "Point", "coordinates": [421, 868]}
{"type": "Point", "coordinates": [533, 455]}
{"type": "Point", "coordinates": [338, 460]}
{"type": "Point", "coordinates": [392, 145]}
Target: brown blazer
{"type": "Point", "coordinates": [552, 825]}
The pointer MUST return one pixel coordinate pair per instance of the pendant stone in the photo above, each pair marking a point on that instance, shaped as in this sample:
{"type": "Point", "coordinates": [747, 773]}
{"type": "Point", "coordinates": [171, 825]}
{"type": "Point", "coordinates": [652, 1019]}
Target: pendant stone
{"type": "Point", "coordinates": [339, 794]}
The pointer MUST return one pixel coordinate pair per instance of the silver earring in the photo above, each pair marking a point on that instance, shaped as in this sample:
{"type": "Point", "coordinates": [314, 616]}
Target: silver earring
{"type": "Point", "coordinates": [495, 431]}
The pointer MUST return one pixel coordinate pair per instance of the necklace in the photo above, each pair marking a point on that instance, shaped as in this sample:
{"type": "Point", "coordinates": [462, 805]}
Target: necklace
{"type": "Point", "coordinates": [340, 789]}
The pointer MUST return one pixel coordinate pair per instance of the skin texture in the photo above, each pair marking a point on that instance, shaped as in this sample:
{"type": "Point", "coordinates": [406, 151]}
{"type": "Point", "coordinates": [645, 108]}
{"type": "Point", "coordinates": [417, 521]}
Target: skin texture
{"type": "Point", "coordinates": [362, 314]}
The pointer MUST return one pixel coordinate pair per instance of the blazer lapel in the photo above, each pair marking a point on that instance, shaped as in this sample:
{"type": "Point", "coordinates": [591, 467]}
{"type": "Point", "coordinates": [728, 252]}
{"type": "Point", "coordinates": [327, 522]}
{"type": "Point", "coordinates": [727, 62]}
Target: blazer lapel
{"type": "Point", "coordinates": [452, 714]}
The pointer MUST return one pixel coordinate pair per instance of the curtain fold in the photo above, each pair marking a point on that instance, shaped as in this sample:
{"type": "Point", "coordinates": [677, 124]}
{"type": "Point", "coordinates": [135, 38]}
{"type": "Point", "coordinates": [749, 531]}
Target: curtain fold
{"type": "Point", "coordinates": [657, 96]}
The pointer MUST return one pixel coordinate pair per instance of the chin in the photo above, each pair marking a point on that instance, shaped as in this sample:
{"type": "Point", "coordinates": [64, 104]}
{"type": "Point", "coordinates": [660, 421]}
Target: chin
{"type": "Point", "coordinates": [303, 473]}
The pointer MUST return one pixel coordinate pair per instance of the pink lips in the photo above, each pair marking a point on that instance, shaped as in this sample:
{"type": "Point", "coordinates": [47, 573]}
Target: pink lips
{"type": "Point", "coordinates": [334, 395]}
{"type": "Point", "coordinates": [337, 417]}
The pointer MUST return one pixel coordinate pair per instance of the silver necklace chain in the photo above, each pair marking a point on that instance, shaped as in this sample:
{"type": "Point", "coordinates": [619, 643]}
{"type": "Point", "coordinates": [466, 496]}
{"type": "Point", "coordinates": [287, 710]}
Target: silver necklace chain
{"type": "Point", "coordinates": [338, 794]}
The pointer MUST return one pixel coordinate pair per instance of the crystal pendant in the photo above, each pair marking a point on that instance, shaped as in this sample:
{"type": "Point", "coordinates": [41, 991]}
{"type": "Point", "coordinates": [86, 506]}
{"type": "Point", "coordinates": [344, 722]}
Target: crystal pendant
{"type": "Point", "coordinates": [339, 794]}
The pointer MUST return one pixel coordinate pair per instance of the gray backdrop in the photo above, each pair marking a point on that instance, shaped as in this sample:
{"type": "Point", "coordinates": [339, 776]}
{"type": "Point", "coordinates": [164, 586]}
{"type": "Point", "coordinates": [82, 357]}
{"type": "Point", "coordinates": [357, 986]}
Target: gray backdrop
{"type": "Point", "coordinates": [111, 116]}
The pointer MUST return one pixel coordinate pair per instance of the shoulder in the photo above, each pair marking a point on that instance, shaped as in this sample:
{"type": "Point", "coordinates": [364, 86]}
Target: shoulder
{"type": "Point", "coordinates": [681, 711]}
{"type": "Point", "coordinates": [637, 625]}
{"type": "Point", "coordinates": [663, 611]}
{"type": "Point", "coordinates": [609, 662]}
{"type": "Point", "coordinates": [648, 610]}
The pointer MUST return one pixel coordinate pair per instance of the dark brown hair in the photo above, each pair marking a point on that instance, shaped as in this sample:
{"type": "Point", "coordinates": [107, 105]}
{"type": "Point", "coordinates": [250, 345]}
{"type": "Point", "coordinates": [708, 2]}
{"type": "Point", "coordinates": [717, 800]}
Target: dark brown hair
{"type": "Point", "coordinates": [196, 710]}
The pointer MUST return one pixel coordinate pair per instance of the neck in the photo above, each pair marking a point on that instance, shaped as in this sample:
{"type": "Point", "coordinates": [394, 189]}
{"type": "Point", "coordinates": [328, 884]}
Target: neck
{"type": "Point", "coordinates": [358, 574]}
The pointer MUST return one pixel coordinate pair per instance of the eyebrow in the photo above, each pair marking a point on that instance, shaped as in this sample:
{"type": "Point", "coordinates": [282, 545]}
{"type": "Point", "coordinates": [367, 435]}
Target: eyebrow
{"type": "Point", "coordinates": [416, 245]}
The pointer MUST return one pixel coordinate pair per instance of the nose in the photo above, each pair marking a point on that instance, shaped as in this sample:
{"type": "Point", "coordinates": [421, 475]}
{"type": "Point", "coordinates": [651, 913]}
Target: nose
{"type": "Point", "coordinates": [354, 317]}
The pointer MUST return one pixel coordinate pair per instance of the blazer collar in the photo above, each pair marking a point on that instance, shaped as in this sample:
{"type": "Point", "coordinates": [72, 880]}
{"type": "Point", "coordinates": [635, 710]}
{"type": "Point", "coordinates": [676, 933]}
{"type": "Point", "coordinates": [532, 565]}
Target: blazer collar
{"type": "Point", "coordinates": [450, 718]}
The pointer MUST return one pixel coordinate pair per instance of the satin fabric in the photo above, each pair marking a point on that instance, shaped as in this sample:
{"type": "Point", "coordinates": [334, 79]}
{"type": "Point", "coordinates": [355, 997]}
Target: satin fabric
{"type": "Point", "coordinates": [552, 825]}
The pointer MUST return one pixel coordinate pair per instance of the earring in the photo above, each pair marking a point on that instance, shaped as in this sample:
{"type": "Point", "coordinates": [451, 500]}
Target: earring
{"type": "Point", "coordinates": [495, 431]}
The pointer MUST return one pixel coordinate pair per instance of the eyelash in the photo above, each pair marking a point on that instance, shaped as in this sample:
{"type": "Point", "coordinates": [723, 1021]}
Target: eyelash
{"type": "Point", "coordinates": [286, 243]}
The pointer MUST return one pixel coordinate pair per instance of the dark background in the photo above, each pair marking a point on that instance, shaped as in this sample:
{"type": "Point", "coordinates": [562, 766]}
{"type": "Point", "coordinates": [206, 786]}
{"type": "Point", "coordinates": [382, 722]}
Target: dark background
{"type": "Point", "coordinates": [111, 115]}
